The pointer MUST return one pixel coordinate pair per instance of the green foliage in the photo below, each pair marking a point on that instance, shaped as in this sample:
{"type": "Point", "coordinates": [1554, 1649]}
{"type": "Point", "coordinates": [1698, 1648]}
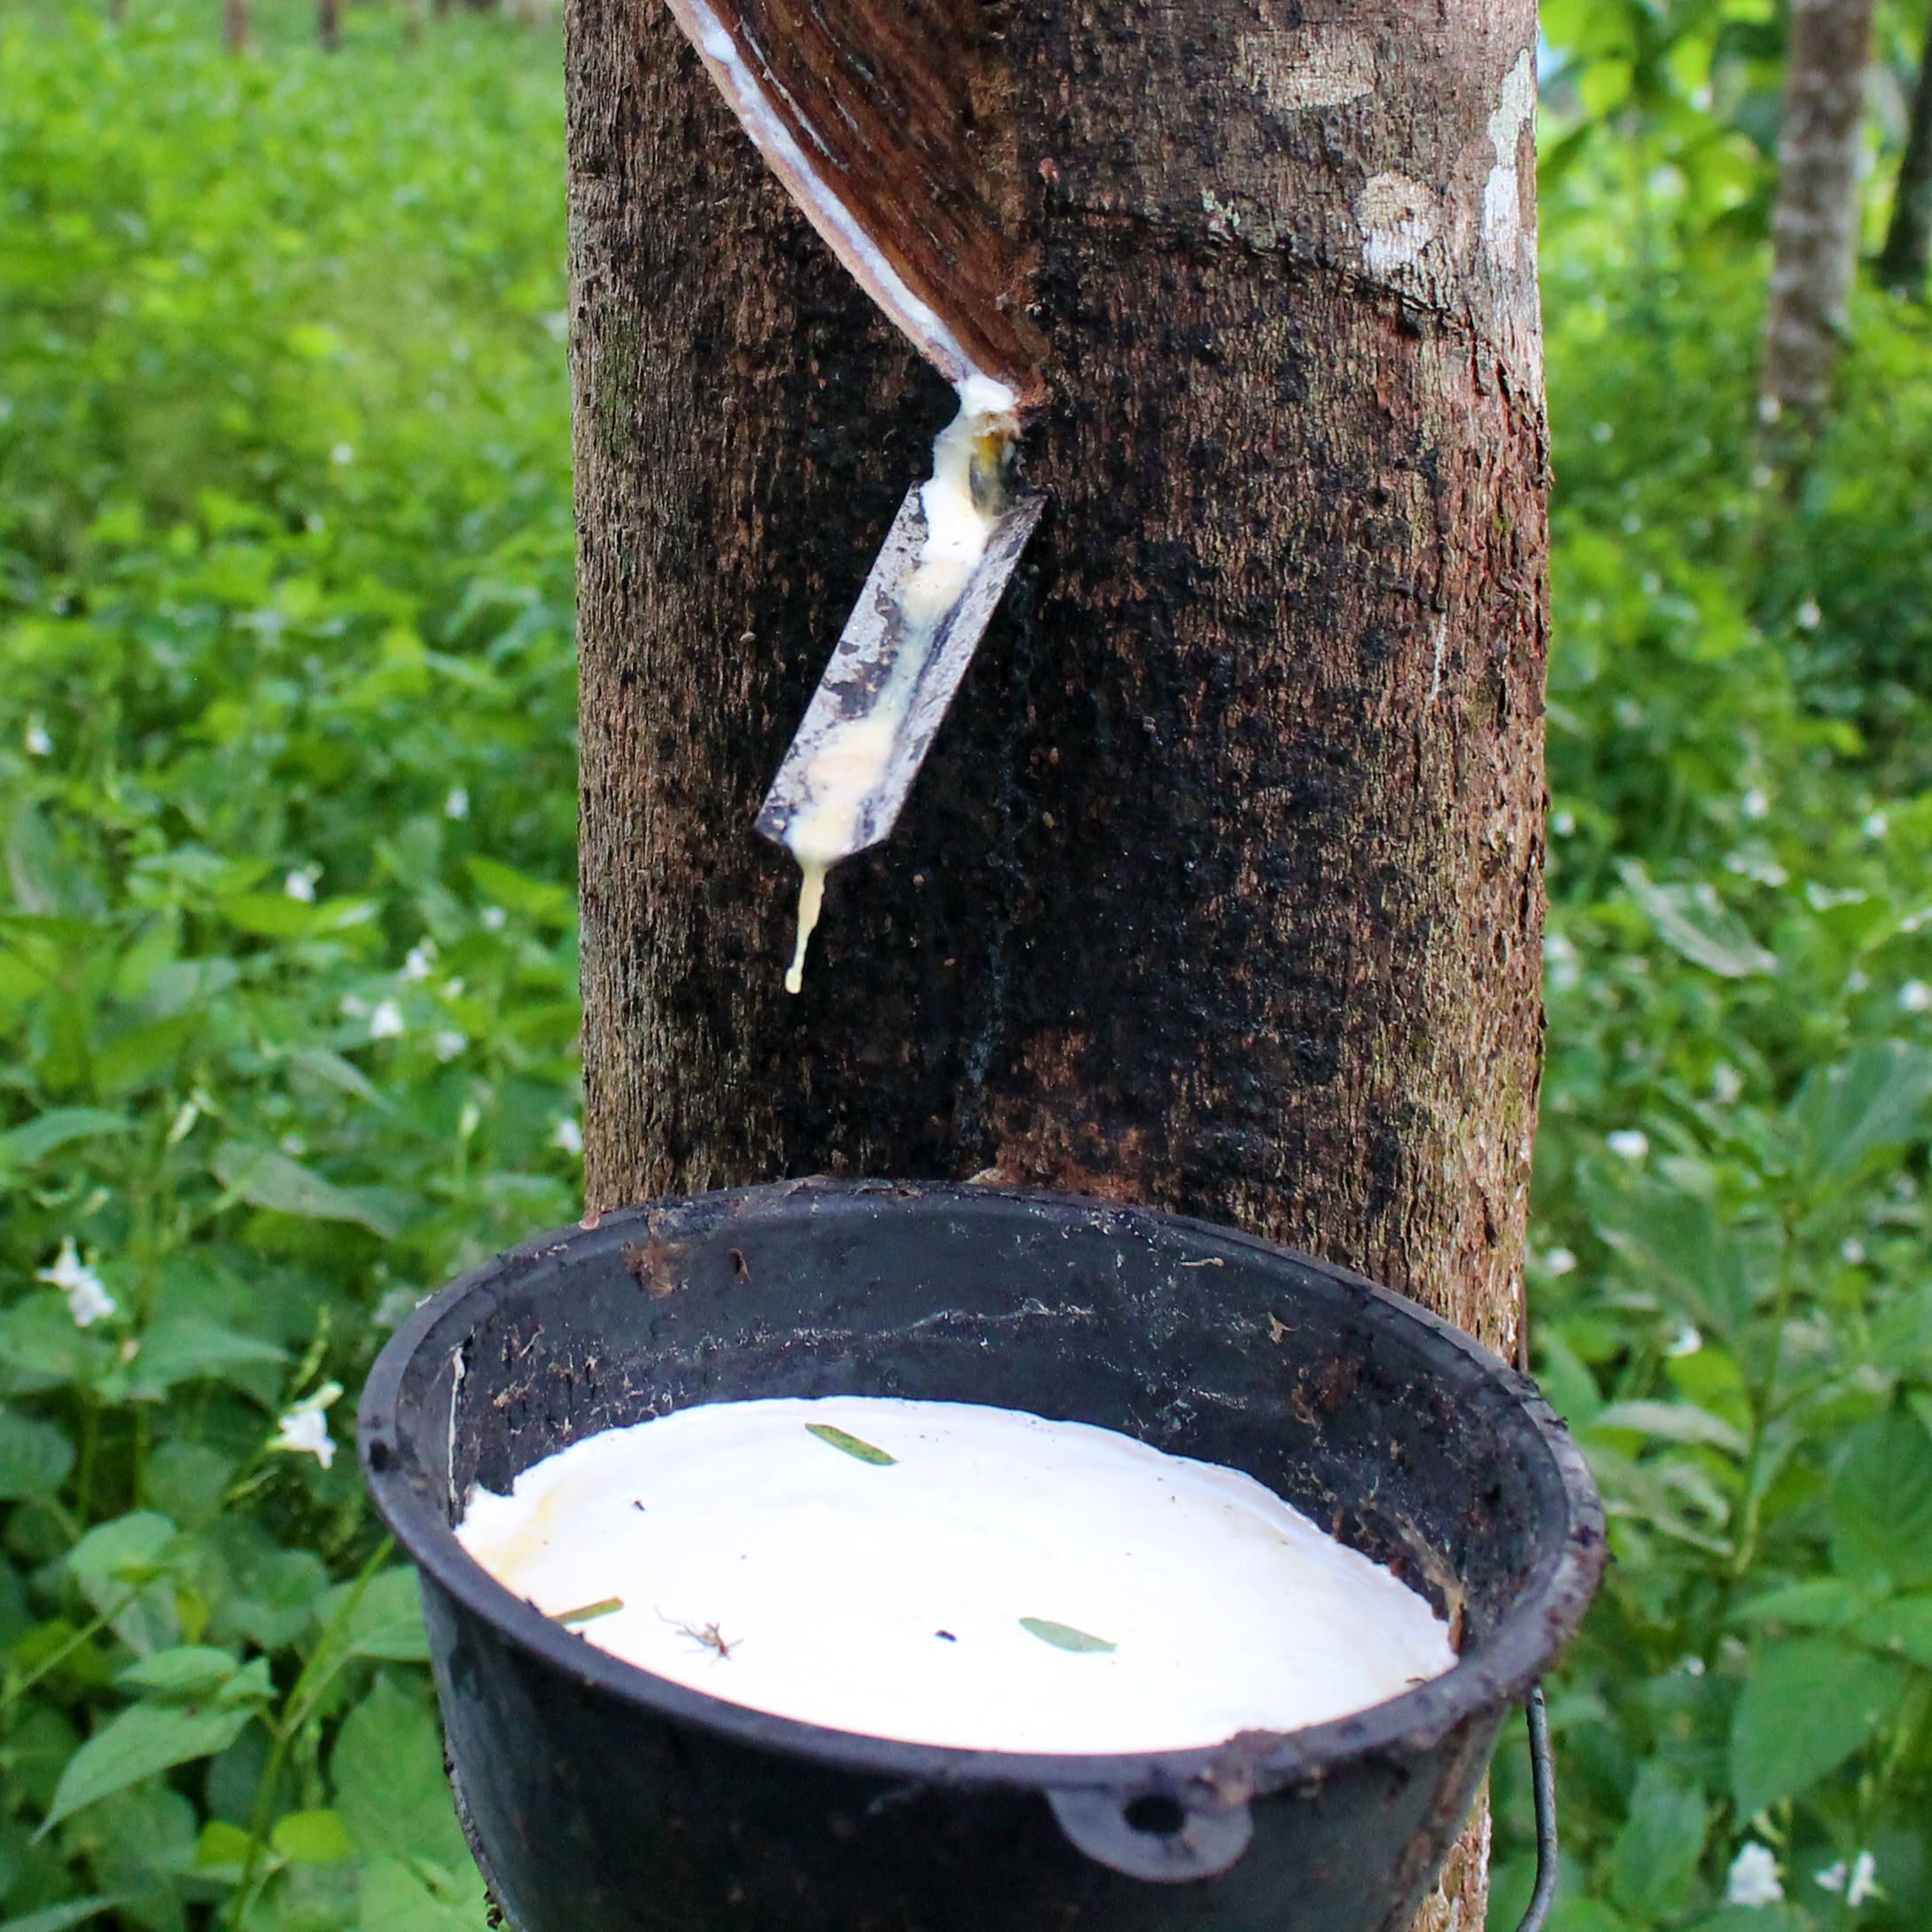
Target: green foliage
{"type": "Point", "coordinates": [287, 980]}
{"type": "Point", "coordinates": [1731, 1253]}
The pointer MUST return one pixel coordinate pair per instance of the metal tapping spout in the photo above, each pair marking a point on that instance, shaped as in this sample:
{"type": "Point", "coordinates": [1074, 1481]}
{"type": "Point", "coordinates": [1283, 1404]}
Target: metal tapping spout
{"type": "Point", "coordinates": [862, 109]}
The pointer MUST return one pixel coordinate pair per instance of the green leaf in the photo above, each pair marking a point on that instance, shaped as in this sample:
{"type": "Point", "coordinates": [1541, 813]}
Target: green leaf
{"type": "Point", "coordinates": [851, 1445]}
{"type": "Point", "coordinates": [1062, 1636]}
{"type": "Point", "coordinates": [1870, 1102]}
{"type": "Point", "coordinates": [265, 1177]}
{"type": "Point", "coordinates": [58, 1128]}
{"type": "Point", "coordinates": [274, 915]}
{"type": "Point", "coordinates": [313, 1838]}
{"type": "Point", "coordinates": [1653, 1863]}
{"type": "Point", "coordinates": [1902, 1628]}
{"type": "Point", "coordinates": [61, 1918]}
{"type": "Point", "coordinates": [393, 1899]}
{"type": "Point", "coordinates": [539, 900]}
{"type": "Point", "coordinates": [1697, 923]}
{"type": "Point", "coordinates": [188, 1673]}
{"type": "Point", "coordinates": [134, 1549]}
{"type": "Point", "coordinates": [189, 1348]}
{"type": "Point", "coordinates": [138, 1743]}
{"type": "Point", "coordinates": [1807, 1706]}
{"type": "Point", "coordinates": [34, 1457]}
{"type": "Point", "coordinates": [1817, 1603]}
{"type": "Point", "coordinates": [387, 1620]}
{"type": "Point", "coordinates": [1670, 1422]}
{"type": "Point", "coordinates": [387, 1775]}
{"type": "Point", "coordinates": [1881, 1503]}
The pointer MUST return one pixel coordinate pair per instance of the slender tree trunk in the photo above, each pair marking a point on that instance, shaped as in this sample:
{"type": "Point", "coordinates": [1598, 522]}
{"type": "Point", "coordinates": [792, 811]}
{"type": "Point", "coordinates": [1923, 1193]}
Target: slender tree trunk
{"type": "Point", "coordinates": [1815, 224]}
{"type": "Point", "coordinates": [329, 24]}
{"type": "Point", "coordinates": [1903, 262]}
{"type": "Point", "coordinates": [1223, 889]}
{"type": "Point", "coordinates": [234, 26]}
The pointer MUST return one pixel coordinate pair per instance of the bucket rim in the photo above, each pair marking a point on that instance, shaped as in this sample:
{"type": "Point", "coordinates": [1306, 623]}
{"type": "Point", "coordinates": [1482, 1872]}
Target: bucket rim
{"type": "Point", "coordinates": [1499, 1669]}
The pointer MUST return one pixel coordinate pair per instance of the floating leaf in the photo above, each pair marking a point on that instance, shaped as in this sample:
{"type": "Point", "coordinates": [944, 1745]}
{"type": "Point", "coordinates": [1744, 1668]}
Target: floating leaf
{"type": "Point", "coordinates": [590, 1612]}
{"type": "Point", "coordinates": [851, 1445]}
{"type": "Point", "coordinates": [1062, 1636]}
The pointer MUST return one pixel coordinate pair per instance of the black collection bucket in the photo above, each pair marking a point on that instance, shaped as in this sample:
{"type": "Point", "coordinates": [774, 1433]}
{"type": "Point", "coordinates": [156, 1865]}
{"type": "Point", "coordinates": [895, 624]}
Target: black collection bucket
{"type": "Point", "coordinates": [600, 1798]}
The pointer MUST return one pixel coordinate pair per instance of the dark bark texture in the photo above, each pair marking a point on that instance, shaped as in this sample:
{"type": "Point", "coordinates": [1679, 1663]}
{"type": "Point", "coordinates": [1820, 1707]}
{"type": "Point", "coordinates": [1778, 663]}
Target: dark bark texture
{"type": "Point", "coordinates": [329, 25]}
{"type": "Point", "coordinates": [1907, 253]}
{"type": "Point", "coordinates": [1223, 888]}
{"type": "Point", "coordinates": [1814, 228]}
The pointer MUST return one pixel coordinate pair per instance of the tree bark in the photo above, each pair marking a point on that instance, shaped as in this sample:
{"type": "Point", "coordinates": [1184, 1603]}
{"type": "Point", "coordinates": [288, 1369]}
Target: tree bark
{"type": "Point", "coordinates": [1815, 224]}
{"type": "Point", "coordinates": [1223, 888]}
{"type": "Point", "coordinates": [1907, 253]}
{"type": "Point", "coordinates": [234, 26]}
{"type": "Point", "coordinates": [329, 25]}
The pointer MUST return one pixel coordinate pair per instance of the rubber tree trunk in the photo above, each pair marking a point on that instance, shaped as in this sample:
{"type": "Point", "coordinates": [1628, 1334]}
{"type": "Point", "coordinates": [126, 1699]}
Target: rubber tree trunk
{"type": "Point", "coordinates": [1223, 889]}
{"type": "Point", "coordinates": [1903, 262]}
{"type": "Point", "coordinates": [1815, 221]}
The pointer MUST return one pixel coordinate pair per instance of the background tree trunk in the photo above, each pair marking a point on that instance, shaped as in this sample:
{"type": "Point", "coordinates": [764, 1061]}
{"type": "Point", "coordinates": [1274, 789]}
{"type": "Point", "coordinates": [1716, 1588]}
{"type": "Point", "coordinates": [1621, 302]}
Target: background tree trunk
{"type": "Point", "coordinates": [329, 24]}
{"type": "Point", "coordinates": [1903, 262]}
{"type": "Point", "coordinates": [1815, 224]}
{"type": "Point", "coordinates": [234, 26]}
{"type": "Point", "coordinates": [1223, 887]}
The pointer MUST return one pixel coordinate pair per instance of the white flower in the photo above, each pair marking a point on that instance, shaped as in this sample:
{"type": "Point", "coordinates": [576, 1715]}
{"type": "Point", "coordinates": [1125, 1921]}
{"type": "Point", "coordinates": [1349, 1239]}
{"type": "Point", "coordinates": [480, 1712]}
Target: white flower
{"type": "Point", "coordinates": [1876, 825]}
{"type": "Point", "coordinates": [386, 1021]}
{"type": "Point", "coordinates": [1692, 1666]}
{"type": "Point", "coordinates": [1629, 1143]}
{"type": "Point", "coordinates": [567, 1135]}
{"type": "Point", "coordinates": [1864, 1879]}
{"type": "Point", "coordinates": [304, 1431]}
{"type": "Point", "coordinates": [343, 453]}
{"type": "Point", "coordinates": [39, 744]}
{"type": "Point", "coordinates": [1857, 1882]}
{"type": "Point", "coordinates": [1851, 1251]}
{"type": "Point", "coordinates": [1726, 1083]}
{"type": "Point", "coordinates": [1754, 804]}
{"type": "Point", "coordinates": [1563, 823]}
{"type": "Point", "coordinates": [354, 1007]}
{"type": "Point", "coordinates": [300, 884]}
{"type": "Point", "coordinates": [1560, 1261]}
{"type": "Point", "coordinates": [448, 1043]}
{"type": "Point", "coordinates": [1858, 982]}
{"type": "Point", "coordinates": [1768, 409]}
{"type": "Point", "coordinates": [1763, 476]}
{"type": "Point", "coordinates": [1753, 1879]}
{"type": "Point", "coordinates": [88, 1299]}
{"type": "Point", "coordinates": [494, 918]}
{"type": "Point", "coordinates": [457, 804]}
{"type": "Point", "coordinates": [1915, 996]}
{"type": "Point", "coordinates": [1809, 617]}
{"type": "Point", "coordinates": [1687, 1341]}
{"type": "Point", "coordinates": [420, 961]}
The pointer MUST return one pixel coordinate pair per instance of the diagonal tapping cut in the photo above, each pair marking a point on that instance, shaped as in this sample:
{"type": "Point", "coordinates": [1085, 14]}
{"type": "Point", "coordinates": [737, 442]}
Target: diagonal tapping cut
{"type": "Point", "coordinates": [864, 111]}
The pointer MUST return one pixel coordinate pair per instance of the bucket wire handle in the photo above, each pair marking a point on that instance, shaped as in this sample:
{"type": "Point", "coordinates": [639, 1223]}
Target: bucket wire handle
{"type": "Point", "coordinates": [1543, 1789]}
{"type": "Point", "coordinates": [1542, 1758]}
